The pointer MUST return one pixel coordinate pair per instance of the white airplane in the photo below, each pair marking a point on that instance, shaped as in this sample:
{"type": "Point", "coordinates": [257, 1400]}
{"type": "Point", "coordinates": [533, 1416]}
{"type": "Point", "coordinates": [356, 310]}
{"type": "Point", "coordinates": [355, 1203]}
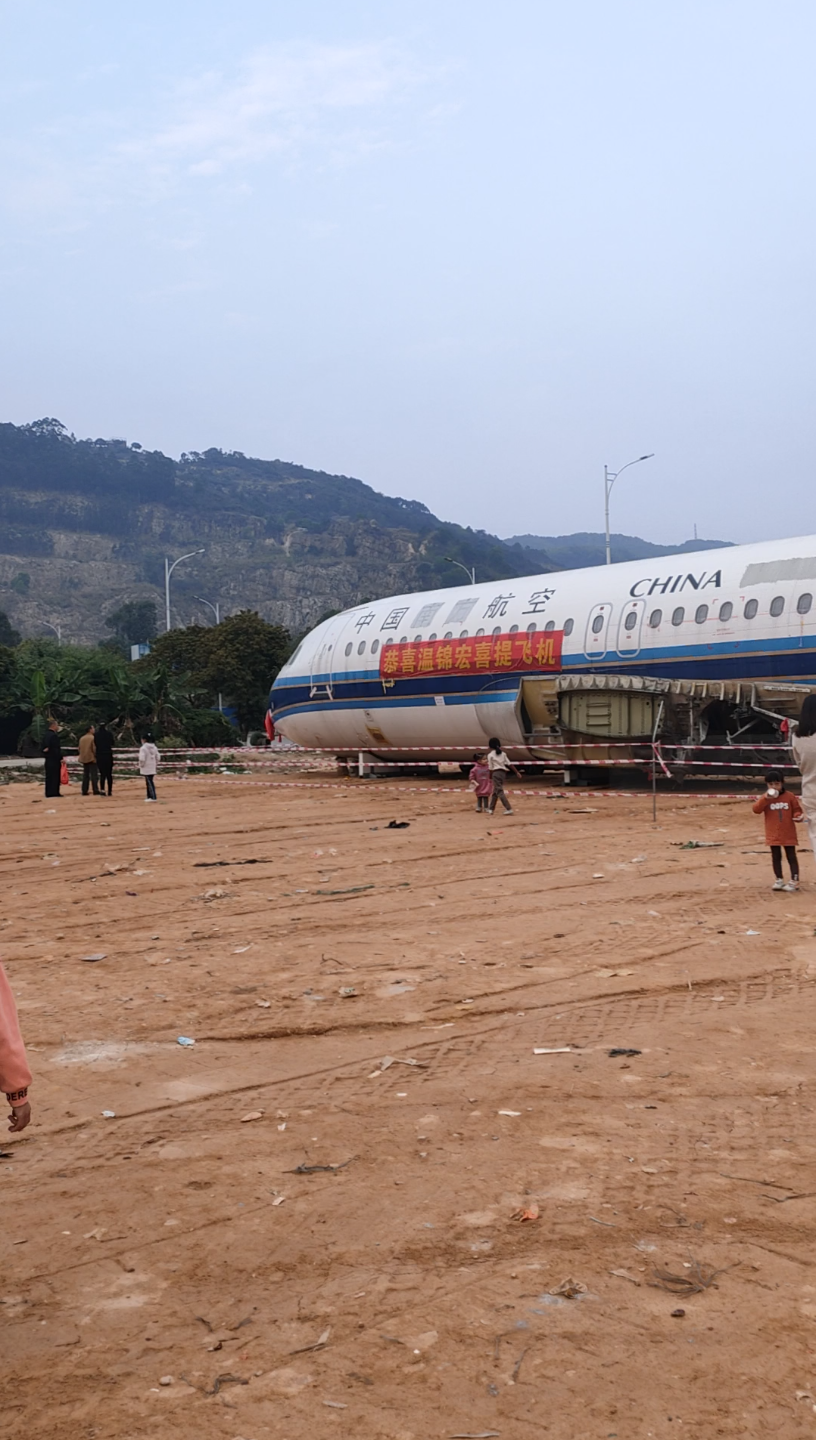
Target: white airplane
{"type": "Point", "coordinates": [449, 668]}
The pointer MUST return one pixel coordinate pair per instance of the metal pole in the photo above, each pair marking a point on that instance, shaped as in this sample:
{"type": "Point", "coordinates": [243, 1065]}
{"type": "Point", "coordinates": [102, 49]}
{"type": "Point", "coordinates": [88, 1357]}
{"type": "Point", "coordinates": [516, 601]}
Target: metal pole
{"type": "Point", "coordinates": [470, 571]}
{"type": "Point", "coordinates": [168, 570]}
{"type": "Point", "coordinates": [607, 488]}
{"type": "Point", "coordinates": [654, 762]}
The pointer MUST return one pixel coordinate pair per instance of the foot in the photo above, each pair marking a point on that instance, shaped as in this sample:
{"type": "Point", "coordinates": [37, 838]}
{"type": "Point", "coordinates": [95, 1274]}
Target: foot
{"type": "Point", "coordinates": [791, 885]}
{"type": "Point", "coordinates": [778, 885]}
{"type": "Point", "coordinates": [508, 812]}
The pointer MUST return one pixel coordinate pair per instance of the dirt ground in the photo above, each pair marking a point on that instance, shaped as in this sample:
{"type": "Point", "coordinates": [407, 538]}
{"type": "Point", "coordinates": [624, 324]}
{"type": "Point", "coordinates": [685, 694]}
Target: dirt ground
{"type": "Point", "coordinates": [299, 942]}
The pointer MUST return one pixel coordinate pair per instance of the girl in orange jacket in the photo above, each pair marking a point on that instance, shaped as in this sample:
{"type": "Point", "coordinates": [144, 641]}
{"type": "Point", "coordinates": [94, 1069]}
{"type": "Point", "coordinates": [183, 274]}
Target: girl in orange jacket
{"type": "Point", "coordinates": [15, 1076]}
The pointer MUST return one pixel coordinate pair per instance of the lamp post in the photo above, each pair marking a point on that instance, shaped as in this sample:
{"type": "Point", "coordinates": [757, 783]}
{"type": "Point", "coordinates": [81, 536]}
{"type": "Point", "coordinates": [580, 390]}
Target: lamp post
{"type": "Point", "coordinates": [57, 629]}
{"type": "Point", "coordinates": [610, 476]}
{"type": "Point", "coordinates": [168, 570]}
{"type": "Point", "coordinates": [216, 608]}
{"type": "Point", "coordinates": [471, 573]}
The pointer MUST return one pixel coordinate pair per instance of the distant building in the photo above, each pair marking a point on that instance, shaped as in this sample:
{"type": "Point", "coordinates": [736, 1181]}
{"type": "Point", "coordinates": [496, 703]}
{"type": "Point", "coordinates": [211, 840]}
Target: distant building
{"type": "Point", "coordinates": [137, 651]}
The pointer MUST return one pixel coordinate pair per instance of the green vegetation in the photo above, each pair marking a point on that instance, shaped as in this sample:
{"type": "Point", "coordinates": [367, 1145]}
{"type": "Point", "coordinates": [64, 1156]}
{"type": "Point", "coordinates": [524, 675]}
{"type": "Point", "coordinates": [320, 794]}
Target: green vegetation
{"type": "Point", "coordinates": [134, 623]}
{"type": "Point", "coordinates": [172, 691]}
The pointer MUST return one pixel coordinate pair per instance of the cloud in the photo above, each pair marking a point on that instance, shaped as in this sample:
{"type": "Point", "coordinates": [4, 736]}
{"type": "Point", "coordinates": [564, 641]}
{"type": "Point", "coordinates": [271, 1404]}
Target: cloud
{"type": "Point", "coordinates": [283, 103]}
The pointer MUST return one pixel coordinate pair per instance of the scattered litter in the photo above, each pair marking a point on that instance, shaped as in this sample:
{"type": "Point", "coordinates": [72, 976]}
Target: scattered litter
{"type": "Point", "coordinates": [109, 1114]}
{"type": "Point", "coordinates": [622, 1050]}
{"type": "Point", "coordinates": [639, 860]}
{"type": "Point", "coordinates": [264, 1004]}
{"type": "Point", "coordinates": [279, 1199]}
{"type": "Point", "coordinates": [698, 844]}
{"type": "Point", "coordinates": [352, 890]}
{"type": "Point", "coordinates": [347, 992]}
{"type": "Point", "coordinates": [526, 1212]}
{"type": "Point", "coordinates": [678, 1314]}
{"type": "Point", "coordinates": [335, 1404]}
{"type": "Point", "coordinates": [599, 876]}
{"type": "Point", "coordinates": [474, 1434]}
{"type": "Point", "coordinates": [95, 1234]}
{"type": "Point", "coordinates": [558, 1050]}
{"type": "Point", "coordinates": [217, 1383]}
{"type": "Point", "coordinates": [166, 1380]}
{"type": "Point", "coordinates": [242, 949]}
{"type": "Point", "coordinates": [215, 894]}
{"type": "Point", "coordinates": [514, 1113]}
{"type": "Point", "coordinates": [212, 864]}
{"type": "Point", "coordinates": [608, 1223]}
{"type": "Point", "coordinates": [752, 932]}
{"type": "Point", "coordinates": [185, 1040]}
{"type": "Point", "coordinates": [569, 1288]}
{"type": "Point", "coordinates": [100, 956]}
{"type": "Point", "coordinates": [316, 1169]}
{"type": "Point", "coordinates": [700, 1278]}
{"type": "Point", "coordinates": [252, 1115]}
{"type": "Point", "coordinates": [389, 1060]}
{"type": "Point", "coordinates": [398, 825]}
{"type": "Point", "coordinates": [624, 1275]}
{"type": "Point", "coordinates": [319, 1344]}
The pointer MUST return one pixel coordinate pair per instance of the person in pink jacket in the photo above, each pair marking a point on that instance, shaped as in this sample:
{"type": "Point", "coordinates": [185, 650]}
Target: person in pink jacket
{"type": "Point", "coordinates": [15, 1076]}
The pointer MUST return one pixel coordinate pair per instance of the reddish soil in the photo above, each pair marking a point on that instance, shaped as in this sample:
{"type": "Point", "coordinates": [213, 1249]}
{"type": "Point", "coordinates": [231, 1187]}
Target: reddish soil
{"type": "Point", "coordinates": [395, 1297]}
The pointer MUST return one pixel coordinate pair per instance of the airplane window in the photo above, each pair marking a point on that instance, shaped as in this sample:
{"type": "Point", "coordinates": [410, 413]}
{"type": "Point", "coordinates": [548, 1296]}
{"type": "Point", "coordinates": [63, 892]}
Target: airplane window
{"type": "Point", "coordinates": [531, 629]}
{"type": "Point", "coordinates": [513, 629]}
{"type": "Point", "coordinates": [569, 626]}
{"type": "Point", "coordinates": [480, 632]}
{"type": "Point", "coordinates": [389, 641]}
{"type": "Point", "coordinates": [497, 630]}
{"type": "Point", "coordinates": [751, 607]}
{"type": "Point", "coordinates": [655, 619]}
{"type": "Point", "coordinates": [361, 648]}
{"type": "Point", "coordinates": [463, 634]}
{"type": "Point", "coordinates": [375, 645]}
{"type": "Point", "coordinates": [678, 615]}
{"type": "Point", "coordinates": [448, 634]}
{"type": "Point", "coordinates": [403, 639]}
{"type": "Point", "coordinates": [432, 637]}
{"type": "Point", "coordinates": [777, 604]}
{"type": "Point", "coordinates": [701, 614]}
{"type": "Point", "coordinates": [631, 620]}
{"type": "Point", "coordinates": [726, 610]}
{"type": "Point", "coordinates": [550, 625]}
{"type": "Point", "coordinates": [349, 648]}
{"type": "Point", "coordinates": [804, 603]}
{"type": "Point", "coordinates": [597, 624]}
{"type": "Point", "coordinates": [417, 639]}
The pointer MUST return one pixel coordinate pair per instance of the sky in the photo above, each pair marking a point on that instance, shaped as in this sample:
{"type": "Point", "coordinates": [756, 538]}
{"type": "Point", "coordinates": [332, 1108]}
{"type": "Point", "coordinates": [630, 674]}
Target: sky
{"type": "Point", "coordinates": [468, 253]}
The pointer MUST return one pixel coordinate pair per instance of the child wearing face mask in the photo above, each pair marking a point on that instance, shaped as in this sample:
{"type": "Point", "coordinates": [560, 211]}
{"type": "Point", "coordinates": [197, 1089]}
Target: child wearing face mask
{"type": "Point", "coordinates": [781, 811]}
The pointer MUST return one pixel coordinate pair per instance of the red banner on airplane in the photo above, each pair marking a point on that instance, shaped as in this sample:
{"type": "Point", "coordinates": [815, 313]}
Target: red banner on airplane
{"type": "Point", "coordinates": [478, 654]}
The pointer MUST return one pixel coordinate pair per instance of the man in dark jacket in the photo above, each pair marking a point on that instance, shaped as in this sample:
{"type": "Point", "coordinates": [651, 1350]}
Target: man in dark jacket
{"type": "Point", "coordinates": [52, 751]}
{"type": "Point", "coordinates": [104, 758]}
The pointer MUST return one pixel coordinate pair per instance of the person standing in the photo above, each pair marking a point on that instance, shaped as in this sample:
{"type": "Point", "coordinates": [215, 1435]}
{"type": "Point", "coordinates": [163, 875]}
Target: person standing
{"type": "Point", "coordinates": [104, 758]}
{"type": "Point", "coordinates": [15, 1076]}
{"type": "Point", "coordinates": [499, 764]}
{"type": "Point", "coordinates": [803, 748]}
{"type": "Point", "coordinates": [781, 811]}
{"type": "Point", "coordinates": [52, 751]}
{"type": "Point", "coordinates": [148, 764]}
{"type": "Point", "coordinates": [87, 759]}
{"type": "Point", "coordinates": [480, 782]}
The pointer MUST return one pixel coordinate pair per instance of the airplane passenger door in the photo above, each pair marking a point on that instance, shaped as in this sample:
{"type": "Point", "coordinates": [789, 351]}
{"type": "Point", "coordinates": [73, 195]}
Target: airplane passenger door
{"type": "Point", "coordinates": [597, 629]}
{"type": "Point", "coordinates": [629, 628]}
{"type": "Point", "coordinates": [323, 658]}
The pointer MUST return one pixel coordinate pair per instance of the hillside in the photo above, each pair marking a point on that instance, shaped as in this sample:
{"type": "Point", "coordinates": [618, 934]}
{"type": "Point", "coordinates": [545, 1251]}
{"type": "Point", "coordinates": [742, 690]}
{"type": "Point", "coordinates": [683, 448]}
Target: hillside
{"type": "Point", "coordinates": [86, 524]}
{"type": "Point", "coordinates": [570, 552]}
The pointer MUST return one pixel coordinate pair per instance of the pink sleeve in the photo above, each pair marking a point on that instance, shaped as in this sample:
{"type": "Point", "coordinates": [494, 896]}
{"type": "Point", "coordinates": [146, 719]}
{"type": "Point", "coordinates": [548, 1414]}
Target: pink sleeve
{"type": "Point", "coordinates": [14, 1072]}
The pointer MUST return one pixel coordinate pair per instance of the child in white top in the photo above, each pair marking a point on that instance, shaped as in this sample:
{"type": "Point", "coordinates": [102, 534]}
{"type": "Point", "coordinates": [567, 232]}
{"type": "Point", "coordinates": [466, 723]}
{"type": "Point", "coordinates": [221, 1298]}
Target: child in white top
{"type": "Point", "coordinates": [148, 764]}
{"type": "Point", "coordinates": [499, 764]}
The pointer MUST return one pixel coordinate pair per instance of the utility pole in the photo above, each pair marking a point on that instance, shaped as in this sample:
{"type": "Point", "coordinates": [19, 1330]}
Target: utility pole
{"type": "Point", "coordinates": [610, 476]}
{"type": "Point", "coordinates": [168, 570]}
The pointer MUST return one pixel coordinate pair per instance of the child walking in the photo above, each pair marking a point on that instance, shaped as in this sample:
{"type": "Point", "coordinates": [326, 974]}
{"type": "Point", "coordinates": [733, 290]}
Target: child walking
{"type": "Point", "coordinates": [781, 811]}
{"type": "Point", "coordinates": [499, 764]}
{"type": "Point", "coordinates": [480, 782]}
{"type": "Point", "coordinates": [148, 764]}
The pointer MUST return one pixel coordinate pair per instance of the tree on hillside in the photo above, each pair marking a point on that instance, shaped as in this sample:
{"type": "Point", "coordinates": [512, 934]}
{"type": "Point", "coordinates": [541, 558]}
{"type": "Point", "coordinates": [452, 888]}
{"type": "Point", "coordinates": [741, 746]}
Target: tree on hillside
{"type": "Point", "coordinates": [134, 623]}
{"type": "Point", "coordinates": [8, 635]}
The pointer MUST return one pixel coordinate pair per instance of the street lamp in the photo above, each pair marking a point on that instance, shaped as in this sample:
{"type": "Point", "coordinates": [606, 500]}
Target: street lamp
{"type": "Point", "coordinates": [471, 573]}
{"type": "Point", "coordinates": [168, 570]}
{"type": "Point", "coordinates": [610, 476]}
{"type": "Point", "coordinates": [57, 629]}
{"type": "Point", "coordinates": [216, 608]}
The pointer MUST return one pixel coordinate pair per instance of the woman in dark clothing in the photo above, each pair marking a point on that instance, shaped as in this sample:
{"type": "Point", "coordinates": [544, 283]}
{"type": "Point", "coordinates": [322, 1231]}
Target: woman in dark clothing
{"type": "Point", "coordinates": [104, 758]}
{"type": "Point", "coordinates": [52, 751]}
